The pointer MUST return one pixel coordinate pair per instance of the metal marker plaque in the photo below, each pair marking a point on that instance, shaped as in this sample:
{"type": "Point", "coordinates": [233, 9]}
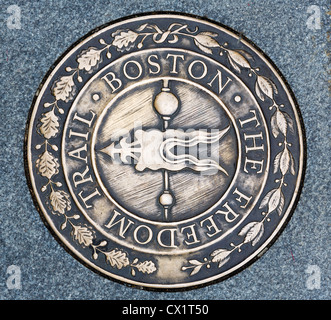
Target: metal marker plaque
{"type": "Point", "coordinates": [165, 151]}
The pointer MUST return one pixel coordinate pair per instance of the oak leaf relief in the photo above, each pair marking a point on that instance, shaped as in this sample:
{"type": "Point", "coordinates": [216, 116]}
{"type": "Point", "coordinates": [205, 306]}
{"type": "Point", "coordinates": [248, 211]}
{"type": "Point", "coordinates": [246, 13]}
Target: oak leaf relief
{"type": "Point", "coordinates": [145, 266]}
{"type": "Point", "coordinates": [47, 165]}
{"type": "Point", "coordinates": [117, 258]}
{"type": "Point", "coordinates": [89, 59]}
{"type": "Point", "coordinates": [49, 124]}
{"type": "Point", "coordinates": [124, 40]}
{"type": "Point", "coordinates": [64, 88]}
{"type": "Point", "coordinates": [60, 201]}
{"type": "Point", "coordinates": [82, 235]}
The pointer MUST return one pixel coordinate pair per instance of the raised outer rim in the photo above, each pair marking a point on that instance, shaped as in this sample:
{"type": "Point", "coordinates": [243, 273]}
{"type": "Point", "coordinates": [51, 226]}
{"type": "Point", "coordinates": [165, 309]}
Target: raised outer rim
{"type": "Point", "coordinates": [267, 244]}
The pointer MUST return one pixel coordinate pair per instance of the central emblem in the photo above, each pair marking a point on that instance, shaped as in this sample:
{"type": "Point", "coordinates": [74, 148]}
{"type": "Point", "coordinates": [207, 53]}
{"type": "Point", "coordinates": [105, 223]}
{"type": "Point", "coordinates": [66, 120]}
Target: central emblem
{"type": "Point", "coordinates": [168, 150]}
{"type": "Point", "coordinates": [165, 151]}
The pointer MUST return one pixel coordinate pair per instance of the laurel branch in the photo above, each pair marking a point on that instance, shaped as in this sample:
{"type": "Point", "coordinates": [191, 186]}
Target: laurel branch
{"type": "Point", "coordinates": [281, 124]}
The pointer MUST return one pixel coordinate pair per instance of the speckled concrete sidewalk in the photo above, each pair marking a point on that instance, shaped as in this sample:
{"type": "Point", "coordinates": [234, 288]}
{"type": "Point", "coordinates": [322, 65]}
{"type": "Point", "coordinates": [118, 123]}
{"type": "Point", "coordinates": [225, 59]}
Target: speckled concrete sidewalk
{"type": "Point", "coordinates": [297, 266]}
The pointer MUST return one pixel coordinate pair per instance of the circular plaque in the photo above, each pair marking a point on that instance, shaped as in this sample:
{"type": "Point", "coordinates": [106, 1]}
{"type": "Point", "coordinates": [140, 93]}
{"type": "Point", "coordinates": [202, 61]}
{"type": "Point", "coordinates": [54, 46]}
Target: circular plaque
{"type": "Point", "coordinates": [165, 151]}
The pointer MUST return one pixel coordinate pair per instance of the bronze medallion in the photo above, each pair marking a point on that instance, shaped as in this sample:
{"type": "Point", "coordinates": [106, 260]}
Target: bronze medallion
{"type": "Point", "coordinates": [165, 151]}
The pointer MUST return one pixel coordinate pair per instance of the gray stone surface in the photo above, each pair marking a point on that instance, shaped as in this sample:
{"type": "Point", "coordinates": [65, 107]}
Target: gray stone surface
{"type": "Point", "coordinates": [280, 29]}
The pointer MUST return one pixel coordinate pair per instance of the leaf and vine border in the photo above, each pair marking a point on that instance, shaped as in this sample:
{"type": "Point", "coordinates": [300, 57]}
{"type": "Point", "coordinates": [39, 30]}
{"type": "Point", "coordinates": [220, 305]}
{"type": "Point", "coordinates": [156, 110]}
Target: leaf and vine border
{"type": "Point", "coordinates": [274, 199]}
{"type": "Point", "coordinates": [64, 89]}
